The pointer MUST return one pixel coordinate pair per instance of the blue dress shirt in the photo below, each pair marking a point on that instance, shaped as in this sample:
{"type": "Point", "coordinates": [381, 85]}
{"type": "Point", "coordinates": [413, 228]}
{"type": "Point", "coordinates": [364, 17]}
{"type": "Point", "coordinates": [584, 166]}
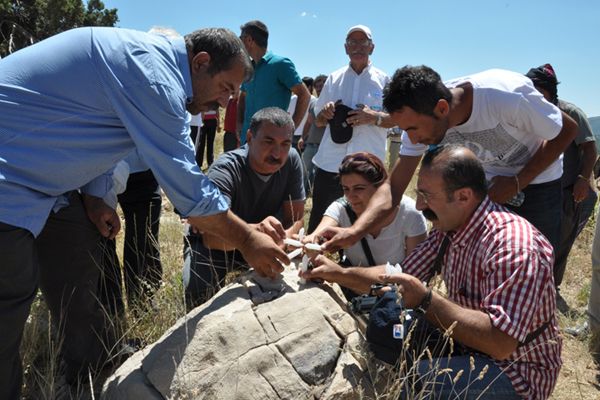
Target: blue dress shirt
{"type": "Point", "coordinates": [75, 104]}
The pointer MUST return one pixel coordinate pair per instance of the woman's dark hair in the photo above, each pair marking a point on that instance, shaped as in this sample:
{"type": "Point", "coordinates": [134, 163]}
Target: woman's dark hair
{"type": "Point", "coordinates": [367, 165]}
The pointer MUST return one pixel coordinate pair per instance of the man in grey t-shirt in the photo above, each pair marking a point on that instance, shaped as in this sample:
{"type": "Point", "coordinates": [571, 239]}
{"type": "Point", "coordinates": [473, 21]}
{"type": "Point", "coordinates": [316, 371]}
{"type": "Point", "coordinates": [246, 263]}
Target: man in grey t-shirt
{"type": "Point", "coordinates": [579, 197]}
{"type": "Point", "coordinates": [262, 181]}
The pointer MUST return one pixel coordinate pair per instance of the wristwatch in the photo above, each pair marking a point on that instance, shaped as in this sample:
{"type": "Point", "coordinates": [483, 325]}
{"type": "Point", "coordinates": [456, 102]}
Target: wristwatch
{"type": "Point", "coordinates": [421, 309]}
{"type": "Point", "coordinates": [379, 120]}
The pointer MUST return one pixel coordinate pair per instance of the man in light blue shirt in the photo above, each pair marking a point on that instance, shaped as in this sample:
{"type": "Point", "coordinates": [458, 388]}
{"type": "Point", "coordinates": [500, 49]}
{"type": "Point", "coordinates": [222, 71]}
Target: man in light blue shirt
{"type": "Point", "coordinates": [75, 104]}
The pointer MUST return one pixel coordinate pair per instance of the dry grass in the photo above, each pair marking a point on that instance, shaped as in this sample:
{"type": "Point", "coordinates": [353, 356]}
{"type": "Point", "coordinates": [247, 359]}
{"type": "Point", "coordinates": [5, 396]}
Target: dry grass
{"type": "Point", "coordinates": [578, 377]}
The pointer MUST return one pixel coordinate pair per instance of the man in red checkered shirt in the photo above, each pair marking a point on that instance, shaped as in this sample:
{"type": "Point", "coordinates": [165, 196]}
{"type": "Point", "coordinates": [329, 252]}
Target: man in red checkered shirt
{"type": "Point", "coordinates": [497, 270]}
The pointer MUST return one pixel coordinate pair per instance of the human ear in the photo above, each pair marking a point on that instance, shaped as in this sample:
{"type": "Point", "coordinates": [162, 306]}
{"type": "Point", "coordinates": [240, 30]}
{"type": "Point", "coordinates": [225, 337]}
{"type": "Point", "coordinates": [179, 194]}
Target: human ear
{"type": "Point", "coordinates": [463, 194]}
{"type": "Point", "coordinates": [441, 108]}
{"type": "Point", "coordinates": [200, 61]}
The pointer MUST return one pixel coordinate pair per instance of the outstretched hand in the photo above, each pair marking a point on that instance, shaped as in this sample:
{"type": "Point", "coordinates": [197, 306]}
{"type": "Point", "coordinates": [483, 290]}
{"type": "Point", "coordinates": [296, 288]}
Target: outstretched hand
{"type": "Point", "coordinates": [324, 269]}
{"type": "Point", "coordinates": [272, 227]}
{"type": "Point", "coordinates": [412, 289]}
{"type": "Point", "coordinates": [263, 254]}
{"type": "Point", "coordinates": [337, 238]}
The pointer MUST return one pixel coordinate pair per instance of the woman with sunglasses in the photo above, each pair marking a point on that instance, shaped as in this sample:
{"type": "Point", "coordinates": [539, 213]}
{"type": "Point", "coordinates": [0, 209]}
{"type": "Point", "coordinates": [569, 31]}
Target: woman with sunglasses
{"type": "Point", "coordinates": [360, 175]}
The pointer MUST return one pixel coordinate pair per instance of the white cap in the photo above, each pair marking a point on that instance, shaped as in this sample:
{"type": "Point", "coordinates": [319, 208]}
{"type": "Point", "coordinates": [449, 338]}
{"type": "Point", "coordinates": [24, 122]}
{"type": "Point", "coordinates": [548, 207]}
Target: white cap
{"type": "Point", "coordinates": [360, 28]}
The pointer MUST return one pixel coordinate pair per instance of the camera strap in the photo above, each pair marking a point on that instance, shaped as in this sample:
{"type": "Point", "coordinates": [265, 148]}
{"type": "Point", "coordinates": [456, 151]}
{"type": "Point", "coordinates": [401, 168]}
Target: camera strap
{"type": "Point", "coordinates": [437, 264]}
{"type": "Point", "coordinates": [363, 241]}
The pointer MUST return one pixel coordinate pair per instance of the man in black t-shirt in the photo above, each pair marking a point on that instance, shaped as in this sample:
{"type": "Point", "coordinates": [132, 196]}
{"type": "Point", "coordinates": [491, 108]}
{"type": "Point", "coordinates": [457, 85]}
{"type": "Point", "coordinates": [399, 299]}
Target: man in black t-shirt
{"type": "Point", "coordinates": [263, 183]}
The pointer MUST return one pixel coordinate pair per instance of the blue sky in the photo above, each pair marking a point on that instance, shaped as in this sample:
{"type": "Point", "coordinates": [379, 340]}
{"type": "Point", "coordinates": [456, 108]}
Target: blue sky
{"type": "Point", "coordinates": [455, 38]}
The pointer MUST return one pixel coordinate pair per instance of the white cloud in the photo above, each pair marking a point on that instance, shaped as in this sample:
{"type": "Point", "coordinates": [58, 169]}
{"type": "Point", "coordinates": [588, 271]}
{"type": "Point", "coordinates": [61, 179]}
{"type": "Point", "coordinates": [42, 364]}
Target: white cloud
{"type": "Point", "coordinates": [307, 14]}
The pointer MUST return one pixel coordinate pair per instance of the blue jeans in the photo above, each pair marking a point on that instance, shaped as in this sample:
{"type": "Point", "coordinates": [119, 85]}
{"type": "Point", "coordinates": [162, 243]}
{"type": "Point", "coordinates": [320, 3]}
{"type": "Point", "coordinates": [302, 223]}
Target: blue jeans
{"type": "Point", "coordinates": [494, 384]}
{"type": "Point", "coordinates": [543, 208]}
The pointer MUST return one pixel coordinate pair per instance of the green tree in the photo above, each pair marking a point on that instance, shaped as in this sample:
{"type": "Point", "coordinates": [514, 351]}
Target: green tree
{"type": "Point", "coordinates": [24, 22]}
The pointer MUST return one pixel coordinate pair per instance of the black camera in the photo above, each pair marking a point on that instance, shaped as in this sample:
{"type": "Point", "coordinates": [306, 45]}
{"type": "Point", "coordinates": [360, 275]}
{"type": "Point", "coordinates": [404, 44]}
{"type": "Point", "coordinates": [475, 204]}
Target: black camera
{"type": "Point", "coordinates": [363, 304]}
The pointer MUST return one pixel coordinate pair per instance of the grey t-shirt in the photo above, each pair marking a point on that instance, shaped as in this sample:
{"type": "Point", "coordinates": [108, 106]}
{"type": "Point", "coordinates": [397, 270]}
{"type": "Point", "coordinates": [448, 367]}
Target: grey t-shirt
{"type": "Point", "coordinates": [252, 197]}
{"type": "Point", "coordinates": [572, 158]}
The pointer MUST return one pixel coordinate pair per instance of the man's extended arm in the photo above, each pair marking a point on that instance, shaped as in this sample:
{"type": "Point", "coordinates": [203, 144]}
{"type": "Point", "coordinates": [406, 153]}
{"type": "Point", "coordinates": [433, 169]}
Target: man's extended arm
{"type": "Point", "coordinates": [258, 249]}
{"type": "Point", "coordinates": [359, 279]}
{"type": "Point", "coordinates": [385, 199]}
{"type": "Point", "coordinates": [504, 187]}
{"type": "Point", "coordinates": [473, 328]}
{"type": "Point", "coordinates": [301, 91]}
{"type": "Point", "coordinates": [584, 183]}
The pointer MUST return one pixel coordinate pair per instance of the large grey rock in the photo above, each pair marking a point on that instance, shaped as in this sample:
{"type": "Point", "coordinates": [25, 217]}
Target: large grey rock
{"type": "Point", "coordinates": [256, 339]}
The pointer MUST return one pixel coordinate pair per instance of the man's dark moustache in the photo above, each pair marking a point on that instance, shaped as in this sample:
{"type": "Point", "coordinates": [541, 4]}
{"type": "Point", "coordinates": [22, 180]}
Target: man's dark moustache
{"type": "Point", "coordinates": [273, 161]}
{"type": "Point", "coordinates": [430, 215]}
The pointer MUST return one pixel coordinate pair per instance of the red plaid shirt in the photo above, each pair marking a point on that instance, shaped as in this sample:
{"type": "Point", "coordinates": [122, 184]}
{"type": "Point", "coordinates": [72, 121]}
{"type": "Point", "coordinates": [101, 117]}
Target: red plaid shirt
{"type": "Point", "coordinates": [500, 264]}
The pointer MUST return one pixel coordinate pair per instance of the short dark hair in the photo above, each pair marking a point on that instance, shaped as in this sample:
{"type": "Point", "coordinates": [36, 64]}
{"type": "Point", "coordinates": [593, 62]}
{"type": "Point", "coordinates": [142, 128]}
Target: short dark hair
{"type": "Point", "coordinates": [258, 31]}
{"type": "Point", "coordinates": [544, 77]}
{"type": "Point", "coordinates": [272, 115]}
{"type": "Point", "coordinates": [458, 170]}
{"type": "Point", "coordinates": [308, 81]}
{"type": "Point", "coordinates": [367, 165]}
{"type": "Point", "coordinates": [419, 88]}
{"type": "Point", "coordinates": [224, 48]}
{"type": "Point", "coordinates": [321, 77]}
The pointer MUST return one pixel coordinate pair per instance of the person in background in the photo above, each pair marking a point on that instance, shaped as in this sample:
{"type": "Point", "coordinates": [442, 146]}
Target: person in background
{"type": "Point", "coordinates": [231, 139]}
{"type": "Point", "coordinates": [210, 126]}
{"type": "Point", "coordinates": [275, 80]}
{"type": "Point", "coordinates": [308, 82]}
{"type": "Point", "coordinates": [579, 196]}
{"type": "Point", "coordinates": [311, 137]}
{"type": "Point", "coordinates": [359, 87]}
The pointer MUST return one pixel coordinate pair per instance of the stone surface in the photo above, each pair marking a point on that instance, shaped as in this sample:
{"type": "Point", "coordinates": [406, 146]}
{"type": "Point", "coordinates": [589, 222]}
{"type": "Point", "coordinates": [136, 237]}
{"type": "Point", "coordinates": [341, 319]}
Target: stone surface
{"type": "Point", "coordinates": [256, 339]}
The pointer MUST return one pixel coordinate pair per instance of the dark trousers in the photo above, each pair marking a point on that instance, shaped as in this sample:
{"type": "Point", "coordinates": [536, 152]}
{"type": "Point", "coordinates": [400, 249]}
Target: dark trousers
{"type": "Point", "coordinates": [142, 270]}
{"type": "Point", "coordinates": [63, 260]}
{"type": "Point", "coordinates": [542, 207]}
{"type": "Point", "coordinates": [574, 219]}
{"type": "Point", "coordinates": [326, 190]}
{"type": "Point", "coordinates": [229, 141]}
{"type": "Point", "coordinates": [207, 269]}
{"type": "Point", "coordinates": [194, 132]}
{"type": "Point", "coordinates": [207, 140]}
